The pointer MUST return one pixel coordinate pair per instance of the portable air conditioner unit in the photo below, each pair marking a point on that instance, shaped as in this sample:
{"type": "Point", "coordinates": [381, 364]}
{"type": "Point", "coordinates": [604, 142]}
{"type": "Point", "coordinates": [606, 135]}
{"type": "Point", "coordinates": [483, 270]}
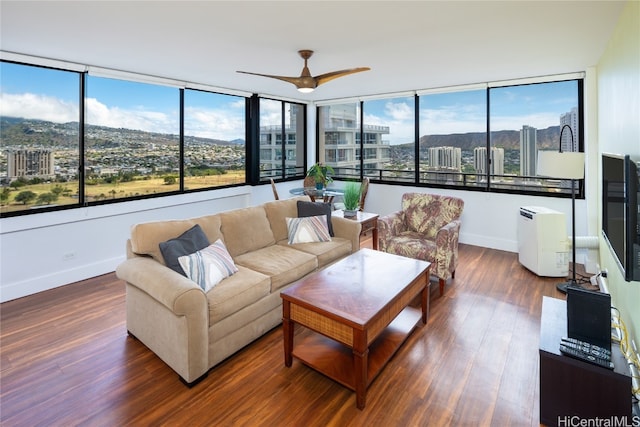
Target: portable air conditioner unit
{"type": "Point", "coordinates": [543, 245]}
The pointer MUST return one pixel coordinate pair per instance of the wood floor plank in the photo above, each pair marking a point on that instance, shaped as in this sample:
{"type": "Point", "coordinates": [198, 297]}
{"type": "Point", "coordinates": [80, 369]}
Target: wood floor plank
{"type": "Point", "coordinates": [66, 359]}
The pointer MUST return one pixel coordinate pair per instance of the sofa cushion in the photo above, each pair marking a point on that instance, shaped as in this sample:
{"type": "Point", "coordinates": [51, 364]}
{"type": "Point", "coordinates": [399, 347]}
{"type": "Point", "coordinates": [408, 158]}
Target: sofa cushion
{"type": "Point", "coordinates": [281, 263]}
{"type": "Point", "coordinates": [326, 252]}
{"type": "Point", "coordinates": [278, 210]}
{"type": "Point", "coordinates": [236, 292]}
{"type": "Point", "coordinates": [246, 230]}
{"type": "Point", "coordinates": [210, 224]}
{"type": "Point", "coordinates": [208, 266]}
{"type": "Point", "coordinates": [308, 229]}
{"type": "Point", "coordinates": [187, 243]}
{"type": "Point", "coordinates": [314, 208]}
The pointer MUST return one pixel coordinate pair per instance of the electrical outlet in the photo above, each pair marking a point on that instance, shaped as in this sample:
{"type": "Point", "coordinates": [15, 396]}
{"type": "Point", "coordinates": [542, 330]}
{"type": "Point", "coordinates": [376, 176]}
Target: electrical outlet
{"type": "Point", "coordinates": [69, 256]}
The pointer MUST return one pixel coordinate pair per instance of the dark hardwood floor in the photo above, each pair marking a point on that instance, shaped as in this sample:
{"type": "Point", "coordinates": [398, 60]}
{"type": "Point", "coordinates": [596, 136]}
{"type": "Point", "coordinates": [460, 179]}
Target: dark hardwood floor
{"type": "Point", "coordinates": [66, 359]}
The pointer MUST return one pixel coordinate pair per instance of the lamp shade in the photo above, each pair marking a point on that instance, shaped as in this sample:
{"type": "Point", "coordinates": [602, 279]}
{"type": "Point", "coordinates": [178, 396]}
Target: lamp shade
{"type": "Point", "coordinates": [567, 165]}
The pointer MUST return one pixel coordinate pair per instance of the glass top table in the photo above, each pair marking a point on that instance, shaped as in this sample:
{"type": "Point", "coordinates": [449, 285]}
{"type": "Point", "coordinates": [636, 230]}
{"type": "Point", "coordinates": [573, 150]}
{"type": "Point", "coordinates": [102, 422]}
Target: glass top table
{"type": "Point", "coordinates": [326, 194]}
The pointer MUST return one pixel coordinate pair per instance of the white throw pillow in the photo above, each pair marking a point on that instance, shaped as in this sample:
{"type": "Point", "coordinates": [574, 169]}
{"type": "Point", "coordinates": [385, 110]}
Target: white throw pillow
{"type": "Point", "coordinates": [308, 229]}
{"type": "Point", "coordinates": [207, 267]}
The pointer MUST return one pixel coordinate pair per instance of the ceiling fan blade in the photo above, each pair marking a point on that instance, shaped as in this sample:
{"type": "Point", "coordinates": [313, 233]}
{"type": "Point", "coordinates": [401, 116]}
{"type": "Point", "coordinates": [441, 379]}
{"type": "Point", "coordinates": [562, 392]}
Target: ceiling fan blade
{"type": "Point", "coordinates": [306, 83]}
{"type": "Point", "coordinates": [323, 78]}
{"type": "Point", "coordinates": [294, 80]}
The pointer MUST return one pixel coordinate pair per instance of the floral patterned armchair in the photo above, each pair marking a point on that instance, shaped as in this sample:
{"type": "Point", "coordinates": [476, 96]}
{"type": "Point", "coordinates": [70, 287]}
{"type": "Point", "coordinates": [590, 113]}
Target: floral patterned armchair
{"type": "Point", "coordinates": [427, 228]}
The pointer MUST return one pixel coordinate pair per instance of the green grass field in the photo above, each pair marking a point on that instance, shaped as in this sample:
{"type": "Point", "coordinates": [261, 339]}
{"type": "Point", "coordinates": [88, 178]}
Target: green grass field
{"type": "Point", "coordinates": [135, 188]}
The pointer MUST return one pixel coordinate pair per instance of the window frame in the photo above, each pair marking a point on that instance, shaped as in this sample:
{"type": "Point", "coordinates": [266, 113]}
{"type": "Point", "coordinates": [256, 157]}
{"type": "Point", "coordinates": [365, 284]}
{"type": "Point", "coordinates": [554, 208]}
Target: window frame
{"type": "Point", "coordinates": [82, 202]}
{"type": "Point", "coordinates": [281, 144]}
{"type": "Point", "coordinates": [415, 180]}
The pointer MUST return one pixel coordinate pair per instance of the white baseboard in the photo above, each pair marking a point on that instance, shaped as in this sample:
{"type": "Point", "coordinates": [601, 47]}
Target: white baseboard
{"type": "Point", "coordinates": [487, 242]}
{"type": "Point", "coordinates": [11, 291]}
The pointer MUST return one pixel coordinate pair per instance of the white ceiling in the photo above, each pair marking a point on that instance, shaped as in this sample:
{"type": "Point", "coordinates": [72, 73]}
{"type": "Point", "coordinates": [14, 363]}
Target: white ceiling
{"type": "Point", "coordinates": [408, 45]}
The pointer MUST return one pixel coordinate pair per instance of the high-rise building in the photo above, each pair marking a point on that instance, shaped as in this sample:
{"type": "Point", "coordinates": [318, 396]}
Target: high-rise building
{"type": "Point", "coordinates": [445, 158]}
{"type": "Point", "coordinates": [339, 140]}
{"type": "Point", "coordinates": [496, 166]}
{"type": "Point", "coordinates": [271, 151]}
{"type": "Point", "coordinates": [528, 150]}
{"type": "Point", "coordinates": [30, 163]}
{"type": "Point", "coordinates": [571, 119]}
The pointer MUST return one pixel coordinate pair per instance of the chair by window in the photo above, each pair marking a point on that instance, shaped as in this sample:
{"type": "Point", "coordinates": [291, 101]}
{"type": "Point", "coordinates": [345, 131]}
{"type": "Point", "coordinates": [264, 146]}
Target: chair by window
{"type": "Point", "coordinates": [309, 182]}
{"type": "Point", "coordinates": [275, 190]}
{"type": "Point", "coordinates": [364, 188]}
{"type": "Point", "coordinates": [427, 227]}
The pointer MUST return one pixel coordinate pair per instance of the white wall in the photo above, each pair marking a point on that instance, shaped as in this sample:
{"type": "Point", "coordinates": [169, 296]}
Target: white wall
{"type": "Point", "coordinates": [43, 251]}
{"type": "Point", "coordinates": [488, 219]}
{"type": "Point", "coordinates": [619, 132]}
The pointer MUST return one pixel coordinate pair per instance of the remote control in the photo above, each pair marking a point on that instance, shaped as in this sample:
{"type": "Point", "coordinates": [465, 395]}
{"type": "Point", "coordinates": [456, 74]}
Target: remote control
{"type": "Point", "coordinates": [586, 352]}
{"type": "Point", "coordinates": [587, 347]}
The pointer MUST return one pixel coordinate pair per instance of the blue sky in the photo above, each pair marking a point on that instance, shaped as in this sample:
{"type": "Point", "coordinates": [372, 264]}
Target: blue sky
{"type": "Point", "coordinates": [538, 105]}
{"type": "Point", "coordinates": [47, 94]}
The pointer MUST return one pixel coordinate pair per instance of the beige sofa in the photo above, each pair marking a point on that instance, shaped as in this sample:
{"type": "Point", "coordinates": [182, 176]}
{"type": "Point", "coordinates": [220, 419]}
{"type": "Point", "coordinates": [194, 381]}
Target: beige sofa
{"type": "Point", "coordinates": [191, 330]}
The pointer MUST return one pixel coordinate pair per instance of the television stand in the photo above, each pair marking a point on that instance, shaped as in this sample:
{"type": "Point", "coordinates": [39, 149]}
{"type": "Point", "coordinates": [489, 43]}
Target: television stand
{"type": "Point", "coordinates": [572, 388]}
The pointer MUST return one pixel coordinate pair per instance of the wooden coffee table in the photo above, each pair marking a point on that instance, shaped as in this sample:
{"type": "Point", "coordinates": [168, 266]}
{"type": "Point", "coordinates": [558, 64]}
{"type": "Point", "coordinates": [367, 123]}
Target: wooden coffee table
{"type": "Point", "coordinates": [359, 311]}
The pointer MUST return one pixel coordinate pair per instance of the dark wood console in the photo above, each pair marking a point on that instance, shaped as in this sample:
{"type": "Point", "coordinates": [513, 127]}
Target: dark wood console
{"type": "Point", "coordinates": [573, 388]}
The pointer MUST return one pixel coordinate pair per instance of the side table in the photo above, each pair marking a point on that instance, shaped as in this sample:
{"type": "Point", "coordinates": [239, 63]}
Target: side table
{"type": "Point", "coordinates": [368, 221]}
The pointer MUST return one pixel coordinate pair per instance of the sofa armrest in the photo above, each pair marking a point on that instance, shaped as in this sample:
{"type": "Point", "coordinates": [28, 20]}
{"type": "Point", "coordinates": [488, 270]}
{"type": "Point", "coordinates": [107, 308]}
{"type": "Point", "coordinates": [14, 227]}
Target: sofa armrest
{"type": "Point", "coordinates": [177, 293]}
{"type": "Point", "coordinates": [347, 229]}
{"type": "Point", "coordinates": [169, 314]}
{"type": "Point", "coordinates": [389, 226]}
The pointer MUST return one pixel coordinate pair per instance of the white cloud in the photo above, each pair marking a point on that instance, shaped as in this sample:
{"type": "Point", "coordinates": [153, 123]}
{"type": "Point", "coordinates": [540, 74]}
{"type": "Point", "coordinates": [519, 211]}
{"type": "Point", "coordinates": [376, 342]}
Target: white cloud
{"type": "Point", "coordinates": [225, 123]}
{"type": "Point", "coordinates": [151, 121]}
{"type": "Point", "coordinates": [212, 123]}
{"type": "Point", "coordinates": [399, 117]}
{"type": "Point", "coordinates": [41, 107]}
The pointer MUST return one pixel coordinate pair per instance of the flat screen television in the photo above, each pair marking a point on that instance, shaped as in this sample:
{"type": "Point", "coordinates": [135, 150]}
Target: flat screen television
{"type": "Point", "coordinates": [620, 212]}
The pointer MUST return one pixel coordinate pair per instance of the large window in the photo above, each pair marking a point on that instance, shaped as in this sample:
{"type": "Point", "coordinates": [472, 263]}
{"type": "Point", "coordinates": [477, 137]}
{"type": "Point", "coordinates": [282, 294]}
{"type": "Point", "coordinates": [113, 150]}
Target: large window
{"type": "Point", "coordinates": [282, 139]}
{"type": "Point", "coordinates": [479, 138]}
{"type": "Point", "coordinates": [132, 139]}
{"type": "Point", "coordinates": [76, 139]}
{"type": "Point", "coordinates": [526, 119]}
{"type": "Point", "coordinates": [214, 139]}
{"type": "Point", "coordinates": [40, 140]}
{"type": "Point", "coordinates": [388, 139]}
{"type": "Point", "coordinates": [453, 138]}
{"type": "Point", "coordinates": [339, 138]}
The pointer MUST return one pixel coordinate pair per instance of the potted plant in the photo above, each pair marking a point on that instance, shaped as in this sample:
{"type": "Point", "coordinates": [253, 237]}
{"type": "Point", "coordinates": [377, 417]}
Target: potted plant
{"type": "Point", "coordinates": [320, 174]}
{"type": "Point", "coordinates": [351, 198]}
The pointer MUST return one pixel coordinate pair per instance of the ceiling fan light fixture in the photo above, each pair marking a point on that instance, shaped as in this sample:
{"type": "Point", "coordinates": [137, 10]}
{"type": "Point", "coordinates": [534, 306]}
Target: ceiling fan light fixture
{"type": "Point", "coordinates": [306, 83]}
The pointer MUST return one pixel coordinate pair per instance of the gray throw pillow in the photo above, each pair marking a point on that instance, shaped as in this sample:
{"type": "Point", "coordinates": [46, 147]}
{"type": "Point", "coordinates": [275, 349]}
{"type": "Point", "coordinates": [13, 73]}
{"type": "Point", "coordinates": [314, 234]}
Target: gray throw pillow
{"type": "Point", "coordinates": [187, 243]}
{"type": "Point", "coordinates": [314, 209]}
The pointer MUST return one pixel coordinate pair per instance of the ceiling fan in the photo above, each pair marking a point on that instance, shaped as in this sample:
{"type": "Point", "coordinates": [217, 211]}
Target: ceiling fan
{"type": "Point", "coordinates": [306, 83]}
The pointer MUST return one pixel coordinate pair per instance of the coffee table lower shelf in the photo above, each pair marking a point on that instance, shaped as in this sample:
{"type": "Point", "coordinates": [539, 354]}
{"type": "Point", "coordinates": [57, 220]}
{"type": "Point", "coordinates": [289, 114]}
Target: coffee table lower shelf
{"type": "Point", "coordinates": [336, 361]}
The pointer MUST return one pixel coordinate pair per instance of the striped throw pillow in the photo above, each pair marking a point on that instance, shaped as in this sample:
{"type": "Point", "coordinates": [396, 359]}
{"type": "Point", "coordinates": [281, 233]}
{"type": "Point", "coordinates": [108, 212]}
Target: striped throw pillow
{"type": "Point", "coordinates": [308, 229]}
{"type": "Point", "coordinates": [207, 267]}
